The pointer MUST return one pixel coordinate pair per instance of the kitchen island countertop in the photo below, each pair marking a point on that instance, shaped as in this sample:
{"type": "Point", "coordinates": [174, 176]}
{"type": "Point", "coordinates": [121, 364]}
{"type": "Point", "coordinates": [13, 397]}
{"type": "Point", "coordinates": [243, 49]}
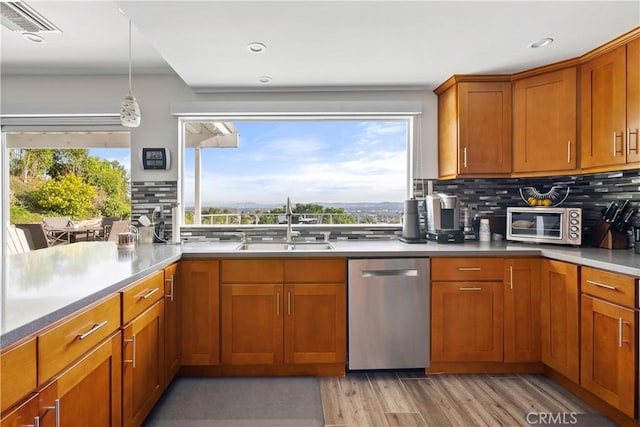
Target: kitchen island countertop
{"type": "Point", "coordinates": [44, 286]}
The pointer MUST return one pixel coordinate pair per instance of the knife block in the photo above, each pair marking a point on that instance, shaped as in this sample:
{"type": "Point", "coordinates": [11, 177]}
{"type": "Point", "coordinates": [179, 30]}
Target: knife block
{"type": "Point", "coordinates": [606, 238]}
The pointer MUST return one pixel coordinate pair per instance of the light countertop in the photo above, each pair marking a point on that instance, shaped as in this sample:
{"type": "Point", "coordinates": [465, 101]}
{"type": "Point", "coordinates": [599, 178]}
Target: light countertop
{"type": "Point", "coordinates": [43, 286]}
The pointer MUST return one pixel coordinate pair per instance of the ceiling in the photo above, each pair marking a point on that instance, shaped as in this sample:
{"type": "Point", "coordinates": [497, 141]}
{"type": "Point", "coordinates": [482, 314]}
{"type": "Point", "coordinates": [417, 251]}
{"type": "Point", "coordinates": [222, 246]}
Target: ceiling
{"type": "Point", "coordinates": [313, 45]}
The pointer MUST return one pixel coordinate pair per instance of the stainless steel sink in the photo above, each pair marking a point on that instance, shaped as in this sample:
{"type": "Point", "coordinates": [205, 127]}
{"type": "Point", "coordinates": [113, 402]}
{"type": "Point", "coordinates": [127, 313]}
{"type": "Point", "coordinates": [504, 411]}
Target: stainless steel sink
{"type": "Point", "coordinates": [282, 246]}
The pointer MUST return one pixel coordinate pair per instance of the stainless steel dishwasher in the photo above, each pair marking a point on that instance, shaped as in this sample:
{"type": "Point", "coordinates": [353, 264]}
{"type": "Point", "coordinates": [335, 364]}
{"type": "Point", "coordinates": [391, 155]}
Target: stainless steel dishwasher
{"type": "Point", "coordinates": [388, 313]}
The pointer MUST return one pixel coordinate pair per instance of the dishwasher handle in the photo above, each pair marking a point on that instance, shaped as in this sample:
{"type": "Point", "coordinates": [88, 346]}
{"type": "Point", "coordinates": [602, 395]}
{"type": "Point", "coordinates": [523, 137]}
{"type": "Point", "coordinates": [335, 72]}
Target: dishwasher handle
{"type": "Point", "coordinates": [402, 272]}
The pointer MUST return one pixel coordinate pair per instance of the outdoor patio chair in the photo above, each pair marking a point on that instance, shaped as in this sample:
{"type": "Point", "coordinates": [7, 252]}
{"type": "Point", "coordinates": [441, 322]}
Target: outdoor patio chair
{"type": "Point", "coordinates": [56, 222]}
{"type": "Point", "coordinates": [121, 226]}
{"type": "Point", "coordinates": [36, 235]}
{"type": "Point", "coordinates": [107, 223]}
{"type": "Point", "coordinates": [17, 240]}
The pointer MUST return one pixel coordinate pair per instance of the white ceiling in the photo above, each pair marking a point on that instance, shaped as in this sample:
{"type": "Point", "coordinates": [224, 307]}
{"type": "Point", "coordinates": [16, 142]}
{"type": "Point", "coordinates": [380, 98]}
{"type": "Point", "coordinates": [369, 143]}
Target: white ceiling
{"type": "Point", "coordinates": [314, 44]}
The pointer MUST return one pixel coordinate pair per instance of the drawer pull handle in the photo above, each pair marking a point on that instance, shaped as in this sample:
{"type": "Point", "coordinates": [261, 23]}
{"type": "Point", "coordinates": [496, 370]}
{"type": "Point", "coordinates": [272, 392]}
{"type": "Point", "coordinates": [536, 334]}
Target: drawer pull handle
{"type": "Point", "coordinates": [468, 268]}
{"type": "Point", "coordinates": [151, 292]}
{"type": "Point", "coordinates": [133, 359]}
{"type": "Point", "coordinates": [602, 285]}
{"type": "Point", "coordinates": [170, 280]}
{"type": "Point", "coordinates": [470, 289]}
{"type": "Point", "coordinates": [55, 408]}
{"type": "Point", "coordinates": [621, 323]}
{"type": "Point", "coordinates": [36, 422]}
{"type": "Point", "coordinates": [92, 330]}
{"type": "Point", "coordinates": [288, 303]}
{"type": "Point", "coordinates": [511, 276]}
{"type": "Point", "coordinates": [278, 304]}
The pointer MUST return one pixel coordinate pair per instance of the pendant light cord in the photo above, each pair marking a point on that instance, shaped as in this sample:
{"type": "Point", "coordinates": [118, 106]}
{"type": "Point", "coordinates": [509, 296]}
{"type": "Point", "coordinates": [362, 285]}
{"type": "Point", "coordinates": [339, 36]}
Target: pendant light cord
{"type": "Point", "coordinates": [129, 56]}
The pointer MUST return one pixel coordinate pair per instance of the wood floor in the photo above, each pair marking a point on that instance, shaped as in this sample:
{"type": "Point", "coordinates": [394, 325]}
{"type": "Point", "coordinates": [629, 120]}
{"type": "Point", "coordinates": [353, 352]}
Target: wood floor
{"type": "Point", "coordinates": [412, 400]}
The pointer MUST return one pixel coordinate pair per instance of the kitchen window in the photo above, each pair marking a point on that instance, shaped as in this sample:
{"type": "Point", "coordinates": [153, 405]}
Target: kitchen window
{"type": "Point", "coordinates": [335, 169]}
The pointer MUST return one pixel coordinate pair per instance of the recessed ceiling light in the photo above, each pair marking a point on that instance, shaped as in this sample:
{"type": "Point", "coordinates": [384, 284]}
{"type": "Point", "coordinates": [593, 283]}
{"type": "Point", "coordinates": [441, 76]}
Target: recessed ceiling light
{"type": "Point", "coordinates": [256, 47]}
{"type": "Point", "coordinates": [36, 38]}
{"type": "Point", "coordinates": [541, 43]}
{"type": "Point", "coordinates": [265, 80]}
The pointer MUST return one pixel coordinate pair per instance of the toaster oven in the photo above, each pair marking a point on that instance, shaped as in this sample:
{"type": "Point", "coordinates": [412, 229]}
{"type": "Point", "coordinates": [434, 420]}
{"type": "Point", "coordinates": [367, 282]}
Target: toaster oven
{"type": "Point", "coordinates": [561, 226]}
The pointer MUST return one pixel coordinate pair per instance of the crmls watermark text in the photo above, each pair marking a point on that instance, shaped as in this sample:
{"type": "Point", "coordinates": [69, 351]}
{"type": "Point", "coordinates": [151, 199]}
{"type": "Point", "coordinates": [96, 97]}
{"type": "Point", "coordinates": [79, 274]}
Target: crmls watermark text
{"type": "Point", "coordinates": [548, 418]}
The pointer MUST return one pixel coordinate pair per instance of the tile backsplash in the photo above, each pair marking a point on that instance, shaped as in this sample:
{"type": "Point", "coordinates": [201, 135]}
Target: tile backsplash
{"type": "Point", "coordinates": [146, 195]}
{"type": "Point", "coordinates": [591, 192]}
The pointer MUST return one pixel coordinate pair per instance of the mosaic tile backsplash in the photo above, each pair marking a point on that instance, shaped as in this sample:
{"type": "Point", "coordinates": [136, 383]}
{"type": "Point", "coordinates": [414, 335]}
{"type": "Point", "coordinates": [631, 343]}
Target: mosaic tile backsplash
{"type": "Point", "coordinates": [590, 192]}
{"type": "Point", "coordinates": [146, 195]}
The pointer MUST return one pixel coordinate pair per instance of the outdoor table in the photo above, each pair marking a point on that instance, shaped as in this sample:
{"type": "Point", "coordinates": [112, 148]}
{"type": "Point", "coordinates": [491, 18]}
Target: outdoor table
{"type": "Point", "coordinates": [62, 235]}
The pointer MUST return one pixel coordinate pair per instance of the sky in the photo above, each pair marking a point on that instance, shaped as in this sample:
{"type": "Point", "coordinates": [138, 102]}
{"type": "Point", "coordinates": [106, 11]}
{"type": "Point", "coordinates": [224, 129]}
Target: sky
{"type": "Point", "coordinates": [309, 161]}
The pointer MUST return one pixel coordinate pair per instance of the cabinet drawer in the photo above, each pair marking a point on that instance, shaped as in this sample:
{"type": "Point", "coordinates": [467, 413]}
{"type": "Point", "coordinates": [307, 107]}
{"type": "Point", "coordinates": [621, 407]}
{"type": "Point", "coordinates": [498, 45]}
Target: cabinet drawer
{"type": "Point", "coordinates": [315, 270]}
{"type": "Point", "coordinates": [141, 295]}
{"type": "Point", "coordinates": [609, 286]}
{"type": "Point", "coordinates": [252, 271]}
{"type": "Point", "coordinates": [17, 373]}
{"type": "Point", "coordinates": [483, 269]}
{"type": "Point", "coordinates": [63, 344]}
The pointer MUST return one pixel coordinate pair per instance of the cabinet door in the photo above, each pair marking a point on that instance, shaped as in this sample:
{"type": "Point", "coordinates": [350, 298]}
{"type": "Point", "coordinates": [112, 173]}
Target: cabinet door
{"type": "Point", "coordinates": [484, 114]}
{"type": "Point", "coordinates": [17, 373]}
{"type": "Point", "coordinates": [89, 393]}
{"type": "Point", "coordinates": [252, 324]}
{"type": "Point", "coordinates": [143, 371]}
{"type": "Point", "coordinates": [522, 310]}
{"type": "Point", "coordinates": [448, 133]}
{"type": "Point", "coordinates": [608, 353]}
{"type": "Point", "coordinates": [315, 323]}
{"type": "Point", "coordinates": [466, 322]}
{"type": "Point", "coordinates": [200, 307]}
{"type": "Point", "coordinates": [25, 415]}
{"type": "Point", "coordinates": [633, 100]}
{"type": "Point", "coordinates": [559, 317]}
{"type": "Point", "coordinates": [544, 116]}
{"type": "Point", "coordinates": [603, 110]}
{"type": "Point", "coordinates": [171, 322]}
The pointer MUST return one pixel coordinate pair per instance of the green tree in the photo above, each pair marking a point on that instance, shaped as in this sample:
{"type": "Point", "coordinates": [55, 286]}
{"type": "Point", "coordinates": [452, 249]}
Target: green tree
{"type": "Point", "coordinates": [69, 160]}
{"type": "Point", "coordinates": [112, 185]}
{"type": "Point", "coordinates": [30, 162]}
{"type": "Point", "coordinates": [66, 195]}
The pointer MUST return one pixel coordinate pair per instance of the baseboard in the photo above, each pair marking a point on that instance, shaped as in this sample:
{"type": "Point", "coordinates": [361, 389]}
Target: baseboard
{"type": "Point", "coordinates": [484, 368]}
{"type": "Point", "coordinates": [324, 370]}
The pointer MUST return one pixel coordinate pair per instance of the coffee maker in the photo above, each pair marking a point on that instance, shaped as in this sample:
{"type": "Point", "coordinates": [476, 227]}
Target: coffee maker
{"type": "Point", "coordinates": [443, 218]}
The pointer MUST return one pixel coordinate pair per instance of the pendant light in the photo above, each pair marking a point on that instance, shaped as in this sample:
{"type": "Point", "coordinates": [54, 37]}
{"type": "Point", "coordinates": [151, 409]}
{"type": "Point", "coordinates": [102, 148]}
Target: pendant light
{"type": "Point", "coordinates": [130, 111]}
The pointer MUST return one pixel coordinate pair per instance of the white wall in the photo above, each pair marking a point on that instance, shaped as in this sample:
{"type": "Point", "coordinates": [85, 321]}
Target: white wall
{"type": "Point", "coordinates": [155, 93]}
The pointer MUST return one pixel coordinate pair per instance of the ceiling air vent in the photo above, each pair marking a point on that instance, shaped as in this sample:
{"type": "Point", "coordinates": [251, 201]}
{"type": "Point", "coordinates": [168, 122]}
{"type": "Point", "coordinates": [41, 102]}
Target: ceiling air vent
{"type": "Point", "coordinates": [19, 17]}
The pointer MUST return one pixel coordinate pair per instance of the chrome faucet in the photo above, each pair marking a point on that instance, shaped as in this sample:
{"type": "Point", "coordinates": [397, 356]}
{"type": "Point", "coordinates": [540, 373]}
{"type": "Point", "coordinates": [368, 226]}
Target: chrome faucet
{"type": "Point", "coordinates": [289, 215]}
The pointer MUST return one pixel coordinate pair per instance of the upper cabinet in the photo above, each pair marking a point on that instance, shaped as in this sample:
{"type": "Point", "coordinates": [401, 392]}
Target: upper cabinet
{"type": "Point", "coordinates": [474, 128]}
{"type": "Point", "coordinates": [544, 122]}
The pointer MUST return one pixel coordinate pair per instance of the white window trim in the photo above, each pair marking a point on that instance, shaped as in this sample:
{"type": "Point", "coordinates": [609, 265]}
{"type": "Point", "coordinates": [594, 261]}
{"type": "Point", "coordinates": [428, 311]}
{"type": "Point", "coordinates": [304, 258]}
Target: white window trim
{"type": "Point", "coordinates": [184, 117]}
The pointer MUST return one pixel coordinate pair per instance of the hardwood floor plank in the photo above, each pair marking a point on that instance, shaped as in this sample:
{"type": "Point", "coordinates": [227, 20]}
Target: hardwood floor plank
{"type": "Point", "coordinates": [332, 401]}
{"type": "Point", "coordinates": [494, 402]}
{"type": "Point", "coordinates": [361, 406]}
{"type": "Point", "coordinates": [435, 404]}
{"type": "Point", "coordinates": [554, 390]}
{"type": "Point", "coordinates": [391, 393]}
{"type": "Point", "coordinates": [405, 419]}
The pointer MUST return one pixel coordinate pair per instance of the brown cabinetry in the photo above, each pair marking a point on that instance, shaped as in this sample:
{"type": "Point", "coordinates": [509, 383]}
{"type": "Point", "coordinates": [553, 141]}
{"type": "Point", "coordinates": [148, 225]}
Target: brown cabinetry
{"type": "Point", "coordinates": [466, 310]}
{"type": "Point", "coordinates": [545, 120]}
{"type": "Point", "coordinates": [17, 373]}
{"type": "Point", "coordinates": [559, 317]}
{"type": "Point", "coordinates": [143, 347]}
{"type": "Point", "coordinates": [609, 108]}
{"type": "Point", "coordinates": [474, 127]}
{"type": "Point", "coordinates": [200, 312]}
{"type": "Point", "coordinates": [172, 293]}
{"type": "Point", "coordinates": [283, 311]}
{"type": "Point", "coordinates": [522, 310]}
{"type": "Point", "coordinates": [608, 352]}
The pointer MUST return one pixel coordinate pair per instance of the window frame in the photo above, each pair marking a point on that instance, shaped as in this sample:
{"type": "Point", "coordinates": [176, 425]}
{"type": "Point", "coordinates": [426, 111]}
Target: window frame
{"type": "Point", "coordinates": [411, 120]}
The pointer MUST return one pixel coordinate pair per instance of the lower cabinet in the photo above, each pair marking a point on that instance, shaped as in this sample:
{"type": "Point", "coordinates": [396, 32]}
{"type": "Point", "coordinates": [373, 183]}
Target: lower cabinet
{"type": "Point", "coordinates": [522, 310]}
{"type": "Point", "coordinates": [466, 322]}
{"type": "Point", "coordinates": [143, 364]}
{"type": "Point", "coordinates": [289, 312]}
{"type": "Point", "coordinates": [200, 312]}
{"type": "Point", "coordinates": [559, 317]}
{"type": "Point", "coordinates": [88, 393]}
{"type": "Point", "coordinates": [608, 343]}
{"type": "Point", "coordinates": [172, 312]}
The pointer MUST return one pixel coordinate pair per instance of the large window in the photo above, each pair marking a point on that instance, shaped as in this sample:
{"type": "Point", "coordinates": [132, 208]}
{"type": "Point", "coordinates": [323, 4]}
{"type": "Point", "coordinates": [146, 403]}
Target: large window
{"type": "Point", "coordinates": [335, 170]}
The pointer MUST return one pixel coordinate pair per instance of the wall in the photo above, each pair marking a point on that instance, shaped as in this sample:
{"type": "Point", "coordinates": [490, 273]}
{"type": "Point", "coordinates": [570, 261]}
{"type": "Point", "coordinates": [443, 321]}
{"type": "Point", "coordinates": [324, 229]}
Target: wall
{"type": "Point", "coordinates": [155, 93]}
